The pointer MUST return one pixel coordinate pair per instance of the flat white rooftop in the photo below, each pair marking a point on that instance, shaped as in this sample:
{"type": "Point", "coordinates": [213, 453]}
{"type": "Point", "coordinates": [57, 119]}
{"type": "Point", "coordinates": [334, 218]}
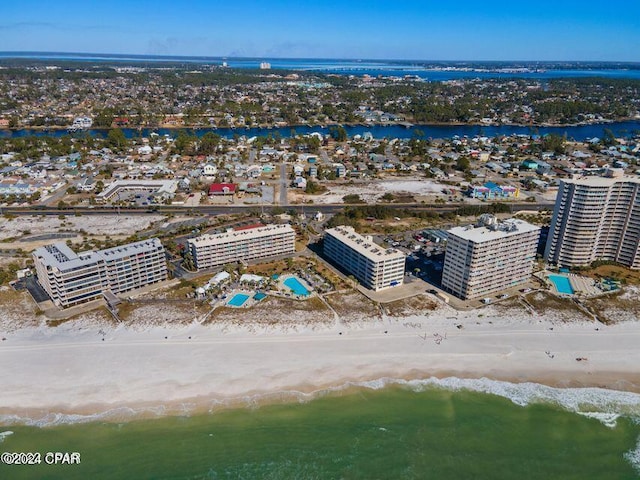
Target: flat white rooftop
{"type": "Point", "coordinates": [596, 181]}
{"type": "Point", "coordinates": [161, 186]}
{"type": "Point", "coordinates": [364, 245]}
{"type": "Point", "coordinates": [60, 256]}
{"type": "Point", "coordinates": [504, 229]}
{"type": "Point", "coordinates": [130, 249]}
{"type": "Point", "coordinates": [240, 235]}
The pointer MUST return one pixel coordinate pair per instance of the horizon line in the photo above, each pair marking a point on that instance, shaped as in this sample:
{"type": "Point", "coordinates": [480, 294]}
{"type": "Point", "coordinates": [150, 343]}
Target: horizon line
{"type": "Point", "coordinates": [21, 53]}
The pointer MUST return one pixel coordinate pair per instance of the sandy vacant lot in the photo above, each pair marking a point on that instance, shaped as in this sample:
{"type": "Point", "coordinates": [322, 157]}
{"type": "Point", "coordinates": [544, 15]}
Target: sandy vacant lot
{"type": "Point", "coordinates": [92, 224]}
{"type": "Point", "coordinates": [373, 191]}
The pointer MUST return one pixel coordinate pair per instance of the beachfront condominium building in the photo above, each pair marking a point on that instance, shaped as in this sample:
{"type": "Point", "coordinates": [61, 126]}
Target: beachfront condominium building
{"type": "Point", "coordinates": [70, 278]}
{"type": "Point", "coordinates": [242, 245]}
{"type": "Point", "coordinates": [596, 218]}
{"type": "Point", "coordinates": [489, 257]}
{"type": "Point", "coordinates": [373, 266]}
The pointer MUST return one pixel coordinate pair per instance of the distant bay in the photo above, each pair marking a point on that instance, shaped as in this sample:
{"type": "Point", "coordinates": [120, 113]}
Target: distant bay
{"type": "Point", "coordinates": [576, 132]}
{"type": "Point", "coordinates": [427, 70]}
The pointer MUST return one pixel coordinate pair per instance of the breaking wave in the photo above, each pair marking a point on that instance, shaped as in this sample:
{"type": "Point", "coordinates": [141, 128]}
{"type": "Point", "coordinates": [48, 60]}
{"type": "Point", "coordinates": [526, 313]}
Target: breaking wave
{"type": "Point", "coordinates": [598, 403]}
{"type": "Point", "coordinates": [604, 405]}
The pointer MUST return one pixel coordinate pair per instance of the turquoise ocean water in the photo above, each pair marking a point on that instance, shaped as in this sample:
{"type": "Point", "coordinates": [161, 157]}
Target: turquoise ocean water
{"type": "Point", "coordinates": [414, 430]}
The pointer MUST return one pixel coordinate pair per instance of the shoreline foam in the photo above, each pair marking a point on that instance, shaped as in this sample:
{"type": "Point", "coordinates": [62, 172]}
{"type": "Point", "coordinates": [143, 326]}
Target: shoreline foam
{"type": "Point", "coordinates": [604, 405]}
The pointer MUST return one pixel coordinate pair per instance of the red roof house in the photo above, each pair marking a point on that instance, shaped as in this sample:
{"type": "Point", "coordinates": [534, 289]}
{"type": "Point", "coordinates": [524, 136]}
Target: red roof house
{"type": "Point", "coordinates": [222, 189]}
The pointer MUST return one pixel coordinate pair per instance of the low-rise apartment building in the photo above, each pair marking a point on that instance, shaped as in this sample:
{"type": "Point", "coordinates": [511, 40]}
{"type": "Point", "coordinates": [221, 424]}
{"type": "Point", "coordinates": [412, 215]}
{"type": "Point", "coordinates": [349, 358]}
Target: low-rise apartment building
{"type": "Point", "coordinates": [70, 278]}
{"type": "Point", "coordinates": [373, 266]}
{"type": "Point", "coordinates": [242, 245]}
{"type": "Point", "coordinates": [489, 257]}
{"type": "Point", "coordinates": [596, 218]}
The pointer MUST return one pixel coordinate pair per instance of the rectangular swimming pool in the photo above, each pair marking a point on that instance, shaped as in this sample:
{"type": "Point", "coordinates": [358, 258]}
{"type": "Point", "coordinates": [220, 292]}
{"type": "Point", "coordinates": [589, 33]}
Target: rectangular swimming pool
{"type": "Point", "coordinates": [294, 284]}
{"type": "Point", "coordinates": [238, 300]}
{"type": "Point", "coordinates": [562, 284]}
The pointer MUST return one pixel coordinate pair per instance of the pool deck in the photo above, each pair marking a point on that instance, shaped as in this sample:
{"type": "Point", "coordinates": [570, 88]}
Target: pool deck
{"type": "Point", "coordinates": [287, 290]}
{"type": "Point", "coordinates": [250, 301]}
{"type": "Point", "coordinates": [584, 286]}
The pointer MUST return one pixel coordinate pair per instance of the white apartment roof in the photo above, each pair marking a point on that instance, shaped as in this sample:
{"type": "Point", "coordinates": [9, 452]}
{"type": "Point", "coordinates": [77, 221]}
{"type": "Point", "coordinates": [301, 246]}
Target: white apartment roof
{"type": "Point", "coordinates": [507, 228]}
{"type": "Point", "coordinates": [238, 235]}
{"type": "Point", "coordinates": [60, 256]}
{"type": "Point", "coordinates": [129, 249]}
{"type": "Point", "coordinates": [364, 245]}
{"type": "Point", "coordinates": [596, 181]}
{"type": "Point", "coordinates": [162, 186]}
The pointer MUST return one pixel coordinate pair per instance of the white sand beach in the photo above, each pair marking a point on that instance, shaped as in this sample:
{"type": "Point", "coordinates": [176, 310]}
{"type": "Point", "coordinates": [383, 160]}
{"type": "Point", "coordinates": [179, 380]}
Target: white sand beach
{"type": "Point", "coordinates": [79, 368]}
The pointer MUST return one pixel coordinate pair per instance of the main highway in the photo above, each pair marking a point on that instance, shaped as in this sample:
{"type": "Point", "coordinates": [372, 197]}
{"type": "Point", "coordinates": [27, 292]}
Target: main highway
{"type": "Point", "coordinates": [239, 209]}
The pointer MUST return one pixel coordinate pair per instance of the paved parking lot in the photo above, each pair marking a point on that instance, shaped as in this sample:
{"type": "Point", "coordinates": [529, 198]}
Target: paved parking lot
{"type": "Point", "coordinates": [193, 200]}
{"type": "Point", "coordinates": [34, 288]}
{"type": "Point", "coordinates": [413, 287]}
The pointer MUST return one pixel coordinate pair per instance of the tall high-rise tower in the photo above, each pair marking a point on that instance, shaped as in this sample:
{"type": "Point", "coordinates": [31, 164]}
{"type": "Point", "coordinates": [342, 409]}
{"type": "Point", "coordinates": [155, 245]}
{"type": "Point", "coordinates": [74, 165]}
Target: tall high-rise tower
{"type": "Point", "coordinates": [596, 218]}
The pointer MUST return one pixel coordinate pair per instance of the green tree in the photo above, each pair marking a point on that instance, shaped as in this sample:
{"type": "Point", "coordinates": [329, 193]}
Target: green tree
{"type": "Point", "coordinates": [184, 144]}
{"type": "Point", "coordinates": [609, 138]}
{"type": "Point", "coordinates": [208, 143]}
{"type": "Point", "coordinates": [554, 143]}
{"type": "Point", "coordinates": [187, 262]}
{"type": "Point", "coordinates": [116, 139]}
{"type": "Point", "coordinates": [352, 198]}
{"type": "Point", "coordinates": [104, 118]}
{"type": "Point", "coordinates": [388, 197]}
{"type": "Point", "coordinates": [313, 188]}
{"type": "Point", "coordinates": [338, 133]}
{"type": "Point", "coordinates": [463, 164]}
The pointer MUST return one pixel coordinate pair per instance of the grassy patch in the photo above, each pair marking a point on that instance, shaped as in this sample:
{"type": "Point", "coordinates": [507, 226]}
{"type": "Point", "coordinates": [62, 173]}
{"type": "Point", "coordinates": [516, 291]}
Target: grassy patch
{"type": "Point", "coordinates": [100, 315]}
{"type": "Point", "coordinates": [542, 218]}
{"type": "Point", "coordinates": [616, 307]}
{"type": "Point", "coordinates": [178, 291]}
{"type": "Point", "coordinates": [17, 310]}
{"type": "Point", "coordinates": [617, 272]}
{"type": "Point", "coordinates": [280, 267]}
{"type": "Point", "coordinates": [353, 306]}
{"type": "Point", "coordinates": [546, 303]}
{"type": "Point", "coordinates": [269, 268]}
{"type": "Point", "coordinates": [510, 305]}
{"type": "Point", "coordinates": [150, 313]}
{"type": "Point", "coordinates": [392, 226]}
{"type": "Point", "coordinates": [274, 311]}
{"type": "Point", "coordinates": [407, 307]}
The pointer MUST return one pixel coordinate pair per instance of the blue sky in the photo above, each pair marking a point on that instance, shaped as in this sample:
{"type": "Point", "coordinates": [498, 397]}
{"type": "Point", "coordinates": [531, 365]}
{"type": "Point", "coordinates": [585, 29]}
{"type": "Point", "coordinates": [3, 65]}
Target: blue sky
{"type": "Point", "coordinates": [373, 29]}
